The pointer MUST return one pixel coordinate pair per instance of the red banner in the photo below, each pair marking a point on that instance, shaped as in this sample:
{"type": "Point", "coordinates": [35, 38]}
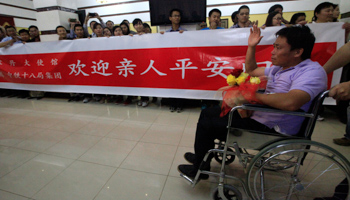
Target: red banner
{"type": "Point", "coordinates": [203, 68]}
{"type": "Point", "coordinates": [167, 70]}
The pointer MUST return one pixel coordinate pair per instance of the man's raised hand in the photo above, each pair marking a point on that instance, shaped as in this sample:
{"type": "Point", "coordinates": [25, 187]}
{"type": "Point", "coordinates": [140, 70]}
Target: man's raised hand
{"type": "Point", "coordinates": [255, 36]}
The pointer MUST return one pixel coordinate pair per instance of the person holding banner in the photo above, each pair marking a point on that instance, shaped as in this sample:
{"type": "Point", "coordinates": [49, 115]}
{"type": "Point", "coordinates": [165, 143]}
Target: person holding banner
{"type": "Point", "coordinates": [125, 21]}
{"type": "Point", "coordinates": [11, 38]}
{"type": "Point", "coordinates": [324, 13]}
{"type": "Point", "coordinates": [214, 20]}
{"type": "Point", "coordinates": [274, 19]}
{"type": "Point", "coordinates": [125, 28]}
{"type": "Point", "coordinates": [117, 31]}
{"type": "Point", "coordinates": [92, 23]}
{"type": "Point", "coordinates": [138, 26]}
{"type": "Point", "coordinates": [79, 31]}
{"type": "Point", "coordinates": [342, 90]}
{"type": "Point", "coordinates": [35, 37]}
{"type": "Point", "coordinates": [24, 34]}
{"type": "Point", "coordinates": [98, 30]}
{"type": "Point", "coordinates": [62, 33]}
{"type": "Point", "coordinates": [297, 17]}
{"type": "Point", "coordinates": [34, 33]}
{"type": "Point", "coordinates": [278, 8]}
{"type": "Point", "coordinates": [289, 87]}
{"type": "Point", "coordinates": [2, 33]}
{"type": "Point", "coordinates": [175, 18]}
{"type": "Point", "coordinates": [243, 18]}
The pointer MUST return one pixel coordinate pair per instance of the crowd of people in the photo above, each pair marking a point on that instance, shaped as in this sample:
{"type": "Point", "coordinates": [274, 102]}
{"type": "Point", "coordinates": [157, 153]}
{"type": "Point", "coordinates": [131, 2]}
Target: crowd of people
{"type": "Point", "coordinates": [324, 12]}
{"type": "Point", "coordinates": [290, 58]}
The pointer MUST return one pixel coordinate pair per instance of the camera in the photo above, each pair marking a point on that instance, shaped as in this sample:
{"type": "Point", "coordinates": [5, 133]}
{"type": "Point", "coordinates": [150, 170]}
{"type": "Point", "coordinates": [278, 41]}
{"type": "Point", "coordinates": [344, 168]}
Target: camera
{"type": "Point", "coordinates": [92, 14]}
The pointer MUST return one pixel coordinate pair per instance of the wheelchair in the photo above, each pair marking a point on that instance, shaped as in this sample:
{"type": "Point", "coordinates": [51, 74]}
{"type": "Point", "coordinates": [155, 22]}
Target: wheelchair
{"type": "Point", "coordinates": [282, 166]}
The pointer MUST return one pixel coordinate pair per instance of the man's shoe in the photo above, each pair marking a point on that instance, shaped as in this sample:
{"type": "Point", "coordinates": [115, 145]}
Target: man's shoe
{"type": "Point", "coordinates": [86, 100]}
{"type": "Point", "coordinates": [190, 157]}
{"type": "Point", "coordinates": [342, 141]}
{"type": "Point", "coordinates": [191, 172]}
{"type": "Point", "coordinates": [320, 118]}
{"type": "Point", "coordinates": [144, 103]}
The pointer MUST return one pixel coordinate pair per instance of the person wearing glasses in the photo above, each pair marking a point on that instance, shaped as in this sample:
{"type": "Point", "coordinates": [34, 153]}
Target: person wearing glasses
{"type": "Point", "coordinates": [274, 19]}
{"type": "Point", "coordinates": [243, 18]}
{"type": "Point", "coordinates": [278, 8]}
{"type": "Point", "coordinates": [175, 18]}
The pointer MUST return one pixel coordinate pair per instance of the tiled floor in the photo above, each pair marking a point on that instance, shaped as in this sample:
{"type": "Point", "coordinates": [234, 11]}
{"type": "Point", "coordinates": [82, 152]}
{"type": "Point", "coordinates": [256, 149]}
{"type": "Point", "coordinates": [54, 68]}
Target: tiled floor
{"type": "Point", "coordinates": [51, 149]}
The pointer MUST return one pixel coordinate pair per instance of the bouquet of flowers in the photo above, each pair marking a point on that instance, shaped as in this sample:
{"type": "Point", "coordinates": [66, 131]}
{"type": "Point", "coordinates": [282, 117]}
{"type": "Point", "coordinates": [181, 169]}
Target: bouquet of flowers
{"type": "Point", "coordinates": [241, 89]}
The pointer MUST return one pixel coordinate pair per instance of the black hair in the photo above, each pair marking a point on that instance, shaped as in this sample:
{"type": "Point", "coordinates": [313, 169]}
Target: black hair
{"type": "Point", "coordinates": [60, 27]}
{"type": "Point", "coordinates": [125, 20]}
{"type": "Point", "coordinates": [23, 31]}
{"type": "Point", "coordinates": [78, 25]}
{"type": "Point", "coordinates": [321, 6]}
{"type": "Point", "coordinates": [97, 24]}
{"type": "Point", "coordinates": [214, 10]}
{"type": "Point", "coordinates": [145, 25]}
{"type": "Point", "coordinates": [270, 18]}
{"type": "Point", "coordinates": [243, 7]}
{"type": "Point", "coordinates": [33, 26]}
{"type": "Point", "coordinates": [334, 7]}
{"type": "Point", "coordinates": [109, 21]}
{"type": "Point", "coordinates": [123, 23]}
{"type": "Point", "coordinates": [115, 27]}
{"type": "Point", "coordinates": [91, 22]}
{"type": "Point", "coordinates": [295, 17]}
{"type": "Point", "coordinates": [108, 30]}
{"type": "Point", "coordinates": [274, 7]}
{"type": "Point", "coordinates": [234, 15]}
{"type": "Point", "coordinates": [173, 10]}
{"type": "Point", "coordinates": [7, 27]}
{"type": "Point", "coordinates": [299, 37]}
{"type": "Point", "coordinates": [137, 21]}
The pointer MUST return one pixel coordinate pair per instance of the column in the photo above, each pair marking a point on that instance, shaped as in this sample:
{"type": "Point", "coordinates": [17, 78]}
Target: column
{"type": "Point", "coordinates": [51, 13]}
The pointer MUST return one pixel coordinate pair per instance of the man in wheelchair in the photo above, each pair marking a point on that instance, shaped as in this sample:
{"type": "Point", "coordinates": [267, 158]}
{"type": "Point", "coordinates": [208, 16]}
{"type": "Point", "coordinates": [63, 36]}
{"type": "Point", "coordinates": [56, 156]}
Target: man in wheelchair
{"type": "Point", "coordinates": [293, 82]}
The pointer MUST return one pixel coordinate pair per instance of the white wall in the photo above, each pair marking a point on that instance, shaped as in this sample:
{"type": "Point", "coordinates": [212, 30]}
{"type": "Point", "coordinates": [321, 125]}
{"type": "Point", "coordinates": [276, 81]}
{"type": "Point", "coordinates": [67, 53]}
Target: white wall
{"type": "Point", "coordinates": [257, 8]}
{"type": "Point", "coordinates": [7, 10]}
{"type": "Point", "coordinates": [47, 3]}
{"type": "Point", "coordinates": [22, 3]}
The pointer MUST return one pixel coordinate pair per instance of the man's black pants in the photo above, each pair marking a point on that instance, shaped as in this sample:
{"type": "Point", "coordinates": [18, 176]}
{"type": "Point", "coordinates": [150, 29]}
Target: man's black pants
{"type": "Point", "coordinates": [211, 126]}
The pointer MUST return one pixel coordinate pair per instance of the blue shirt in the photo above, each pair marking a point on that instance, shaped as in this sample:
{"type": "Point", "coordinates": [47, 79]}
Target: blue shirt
{"type": "Point", "coordinates": [307, 76]}
{"type": "Point", "coordinates": [237, 26]}
{"type": "Point", "coordinates": [8, 38]}
{"type": "Point", "coordinates": [179, 29]}
{"type": "Point", "coordinates": [219, 27]}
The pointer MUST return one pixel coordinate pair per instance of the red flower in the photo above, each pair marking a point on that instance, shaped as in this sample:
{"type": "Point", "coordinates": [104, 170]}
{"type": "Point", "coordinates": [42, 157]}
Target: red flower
{"type": "Point", "coordinates": [236, 72]}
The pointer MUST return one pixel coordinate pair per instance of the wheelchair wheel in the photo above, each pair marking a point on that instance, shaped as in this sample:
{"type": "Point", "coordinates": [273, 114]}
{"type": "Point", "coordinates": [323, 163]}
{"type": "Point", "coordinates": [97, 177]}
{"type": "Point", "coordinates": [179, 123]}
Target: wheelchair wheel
{"type": "Point", "coordinates": [229, 158]}
{"type": "Point", "coordinates": [230, 192]}
{"type": "Point", "coordinates": [306, 170]}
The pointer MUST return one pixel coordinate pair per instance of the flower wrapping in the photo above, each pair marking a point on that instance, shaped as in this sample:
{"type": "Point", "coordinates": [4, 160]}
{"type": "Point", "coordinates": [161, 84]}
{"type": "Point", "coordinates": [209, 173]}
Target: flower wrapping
{"type": "Point", "coordinates": [242, 89]}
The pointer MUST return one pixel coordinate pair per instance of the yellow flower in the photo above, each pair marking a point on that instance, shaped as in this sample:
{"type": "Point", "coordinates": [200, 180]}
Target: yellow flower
{"type": "Point", "coordinates": [231, 80]}
{"type": "Point", "coordinates": [241, 79]}
{"type": "Point", "coordinates": [254, 80]}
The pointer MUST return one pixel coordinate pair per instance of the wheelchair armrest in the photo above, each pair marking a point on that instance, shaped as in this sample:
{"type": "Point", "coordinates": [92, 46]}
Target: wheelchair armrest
{"type": "Point", "coordinates": [264, 108]}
